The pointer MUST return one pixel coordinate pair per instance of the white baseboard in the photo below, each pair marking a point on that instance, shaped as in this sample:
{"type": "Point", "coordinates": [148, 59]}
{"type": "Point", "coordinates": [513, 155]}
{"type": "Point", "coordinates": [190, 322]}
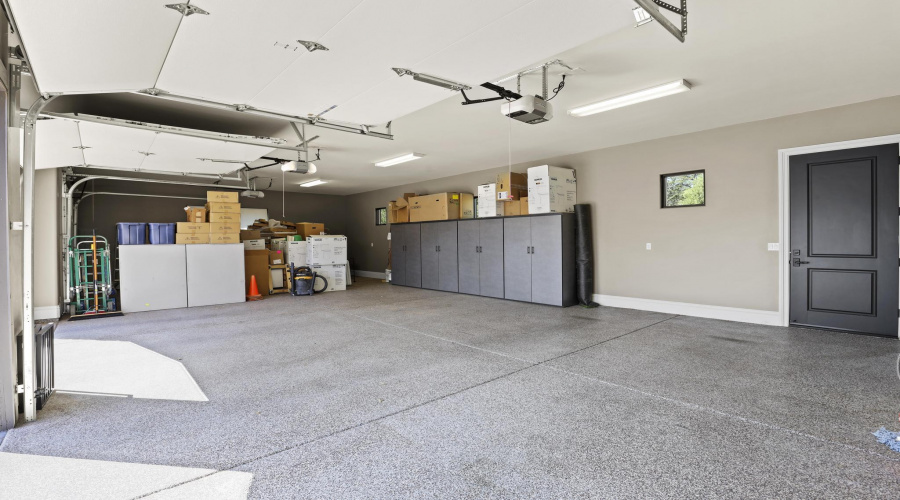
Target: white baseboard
{"type": "Point", "coordinates": [369, 274]}
{"type": "Point", "coordinates": [757, 316]}
{"type": "Point", "coordinates": [46, 312]}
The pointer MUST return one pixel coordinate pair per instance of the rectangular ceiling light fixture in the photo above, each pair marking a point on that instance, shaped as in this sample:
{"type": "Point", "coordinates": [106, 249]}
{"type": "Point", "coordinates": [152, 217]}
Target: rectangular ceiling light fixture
{"type": "Point", "coordinates": [399, 159]}
{"type": "Point", "coordinates": [310, 184]}
{"type": "Point", "coordinates": [664, 90]}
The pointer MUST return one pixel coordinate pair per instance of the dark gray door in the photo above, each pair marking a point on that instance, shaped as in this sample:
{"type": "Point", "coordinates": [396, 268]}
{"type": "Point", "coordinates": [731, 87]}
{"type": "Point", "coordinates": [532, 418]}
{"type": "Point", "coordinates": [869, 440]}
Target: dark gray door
{"type": "Point", "coordinates": [468, 256]}
{"type": "Point", "coordinates": [398, 254]}
{"type": "Point", "coordinates": [430, 260]}
{"type": "Point", "coordinates": [843, 249]}
{"type": "Point", "coordinates": [412, 239]}
{"type": "Point", "coordinates": [447, 255]}
{"type": "Point", "coordinates": [517, 258]}
{"type": "Point", "coordinates": [490, 255]}
{"type": "Point", "coordinates": [546, 260]}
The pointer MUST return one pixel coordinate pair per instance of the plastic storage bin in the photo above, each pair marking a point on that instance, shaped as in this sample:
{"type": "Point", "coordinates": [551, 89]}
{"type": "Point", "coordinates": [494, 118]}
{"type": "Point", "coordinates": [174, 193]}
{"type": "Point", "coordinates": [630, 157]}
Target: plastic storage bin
{"type": "Point", "coordinates": [162, 233]}
{"type": "Point", "coordinates": [132, 233]}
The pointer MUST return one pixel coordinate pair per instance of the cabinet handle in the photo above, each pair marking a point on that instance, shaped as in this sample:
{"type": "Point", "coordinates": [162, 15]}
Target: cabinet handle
{"type": "Point", "coordinates": [532, 250]}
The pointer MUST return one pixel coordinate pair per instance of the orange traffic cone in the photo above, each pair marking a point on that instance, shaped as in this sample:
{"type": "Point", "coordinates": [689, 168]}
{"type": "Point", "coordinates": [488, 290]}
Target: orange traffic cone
{"type": "Point", "coordinates": [254, 289]}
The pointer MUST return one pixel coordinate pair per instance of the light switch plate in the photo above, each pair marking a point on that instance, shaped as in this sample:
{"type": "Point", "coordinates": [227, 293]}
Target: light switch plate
{"type": "Point", "coordinates": [389, 236]}
{"type": "Point", "coordinates": [648, 246]}
{"type": "Point", "coordinates": [774, 247]}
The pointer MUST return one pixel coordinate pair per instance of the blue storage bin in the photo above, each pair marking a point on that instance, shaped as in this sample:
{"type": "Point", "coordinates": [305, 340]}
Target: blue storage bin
{"type": "Point", "coordinates": [162, 233]}
{"type": "Point", "coordinates": [132, 233]}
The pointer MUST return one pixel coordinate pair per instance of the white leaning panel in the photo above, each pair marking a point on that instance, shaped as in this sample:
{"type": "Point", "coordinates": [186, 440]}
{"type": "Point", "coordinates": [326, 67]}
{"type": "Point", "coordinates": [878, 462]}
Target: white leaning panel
{"type": "Point", "coordinates": [56, 144]}
{"type": "Point", "coordinates": [215, 274]}
{"type": "Point", "coordinates": [152, 277]}
{"type": "Point", "coordinates": [96, 45]}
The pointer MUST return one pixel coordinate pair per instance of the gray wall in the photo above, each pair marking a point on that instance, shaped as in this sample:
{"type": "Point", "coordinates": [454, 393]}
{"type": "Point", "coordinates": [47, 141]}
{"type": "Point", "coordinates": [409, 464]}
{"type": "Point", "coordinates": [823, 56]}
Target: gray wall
{"type": "Point", "coordinates": [714, 255]}
{"type": "Point", "coordinates": [102, 212]}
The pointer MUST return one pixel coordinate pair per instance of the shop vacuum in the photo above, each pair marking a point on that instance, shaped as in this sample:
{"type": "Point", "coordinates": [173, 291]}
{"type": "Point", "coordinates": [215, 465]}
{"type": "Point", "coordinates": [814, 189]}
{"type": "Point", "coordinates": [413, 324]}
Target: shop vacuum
{"type": "Point", "coordinates": [303, 281]}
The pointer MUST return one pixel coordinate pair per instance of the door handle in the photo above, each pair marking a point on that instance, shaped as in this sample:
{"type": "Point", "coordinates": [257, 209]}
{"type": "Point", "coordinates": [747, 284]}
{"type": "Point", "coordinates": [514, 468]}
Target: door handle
{"type": "Point", "coordinates": [796, 262]}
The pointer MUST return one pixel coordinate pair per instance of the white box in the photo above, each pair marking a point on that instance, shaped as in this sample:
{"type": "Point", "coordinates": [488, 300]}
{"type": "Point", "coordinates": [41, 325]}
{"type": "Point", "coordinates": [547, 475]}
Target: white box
{"type": "Point", "coordinates": [296, 253]}
{"type": "Point", "coordinates": [327, 249]}
{"type": "Point", "coordinates": [551, 190]}
{"type": "Point", "coordinates": [335, 274]}
{"type": "Point", "coordinates": [488, 206]}
{"type": "Point", "coordinates": [254, 244]}
{"type": "Point", "coordinates": [278, 244]}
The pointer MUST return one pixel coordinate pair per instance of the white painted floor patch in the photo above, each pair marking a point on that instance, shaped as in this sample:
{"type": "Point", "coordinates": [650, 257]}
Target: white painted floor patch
{"type": "Point", "coordinates": [38, 477]}
{"type": "Point", "coordinates": [116, 368]}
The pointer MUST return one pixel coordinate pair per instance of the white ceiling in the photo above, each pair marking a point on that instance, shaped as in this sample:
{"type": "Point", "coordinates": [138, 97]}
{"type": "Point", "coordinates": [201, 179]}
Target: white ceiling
{"type": "Point", "coordinates": [247, 53]}
{"type": "Point", "coordinates": [747, 61]}
{"type": "Point", "coordinates": [67, 142]}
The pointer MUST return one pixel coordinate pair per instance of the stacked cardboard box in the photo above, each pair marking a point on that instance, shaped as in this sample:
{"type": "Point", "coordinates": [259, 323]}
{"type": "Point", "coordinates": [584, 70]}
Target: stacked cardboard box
{"type": "Point", "coordinates": [327, 256]}
{"type": "Point", "coordinates": [223, 212]}
{"type": "Point", "coordinates": [439, 206]}
{"type": "Point", "coordinates": [190, 233]}
{"type": "Point", "coordinates": [503, 198]}
{"type": "Point", "coordinates": [551, 189]}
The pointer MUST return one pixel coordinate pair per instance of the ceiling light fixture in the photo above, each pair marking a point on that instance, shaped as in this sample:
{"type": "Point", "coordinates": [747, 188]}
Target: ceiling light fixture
{"type": "Point", "coordinates": [399, 159]}
{"type": "Point", "coordinates": [310, 184]}
{"type": "Point", "coordinates": [667, 89]}
{"type": "Point", "coordinates": [432, 80]}
{"type": "Point", "coordinates": [641, 16]}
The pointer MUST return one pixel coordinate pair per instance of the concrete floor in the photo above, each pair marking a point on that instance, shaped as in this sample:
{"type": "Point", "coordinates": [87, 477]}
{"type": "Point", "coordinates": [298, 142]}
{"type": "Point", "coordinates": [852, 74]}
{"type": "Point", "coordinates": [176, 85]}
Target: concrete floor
{"type": "Point", "coordinates": [391, 392]}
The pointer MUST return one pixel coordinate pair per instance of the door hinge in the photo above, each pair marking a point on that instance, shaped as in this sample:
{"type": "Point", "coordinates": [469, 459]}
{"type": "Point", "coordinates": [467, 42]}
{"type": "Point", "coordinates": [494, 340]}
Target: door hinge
{"type": "Point", "coordinates": [20, 389]}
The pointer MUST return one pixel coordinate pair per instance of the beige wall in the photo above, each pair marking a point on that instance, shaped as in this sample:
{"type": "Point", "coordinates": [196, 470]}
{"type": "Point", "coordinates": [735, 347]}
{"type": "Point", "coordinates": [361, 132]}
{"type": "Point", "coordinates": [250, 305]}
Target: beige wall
{"type": "Point", "coordinates": [47, 254]}
{"type": "Point", "coordinates": [714, 255]}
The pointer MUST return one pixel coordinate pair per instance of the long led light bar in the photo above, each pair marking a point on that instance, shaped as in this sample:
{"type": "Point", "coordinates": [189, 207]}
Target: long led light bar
{"type": "Point", "coordinates": [312, 183]}
{"type": "Point", "coordinates": [663, 90]}
{"type": "Point", "coordinates": [399, 159]}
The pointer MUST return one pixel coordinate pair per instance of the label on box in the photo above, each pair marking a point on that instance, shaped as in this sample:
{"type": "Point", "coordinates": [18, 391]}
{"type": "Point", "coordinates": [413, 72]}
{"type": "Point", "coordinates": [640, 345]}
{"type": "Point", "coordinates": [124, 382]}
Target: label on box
{"type": "Point", "coordinates": [224, 227]}
{"type": "Point", "coordinates": [191, 239]}
{"type": "Point", "coordinates": [191, 227]}
{"type": "Point", "coordinates": [254, 244]}
{"type": "Point", "coordinates": [225, 217]}
{"type": "Point", "coordinates": [222, 196]}
{"type": "Point", "coordinates": [231, 208]}
{"type": "Point", "coordinates": [221, 238]}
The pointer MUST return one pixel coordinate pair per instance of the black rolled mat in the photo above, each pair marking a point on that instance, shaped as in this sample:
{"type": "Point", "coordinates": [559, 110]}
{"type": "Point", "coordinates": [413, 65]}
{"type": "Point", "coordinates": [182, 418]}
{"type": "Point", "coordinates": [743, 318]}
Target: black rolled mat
{"type": "Point", "coordinates": [584, 256]}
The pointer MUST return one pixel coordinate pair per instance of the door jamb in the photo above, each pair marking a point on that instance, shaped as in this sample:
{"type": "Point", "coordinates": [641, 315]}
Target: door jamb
{"type": "Point", "coordinates": [784, 213]}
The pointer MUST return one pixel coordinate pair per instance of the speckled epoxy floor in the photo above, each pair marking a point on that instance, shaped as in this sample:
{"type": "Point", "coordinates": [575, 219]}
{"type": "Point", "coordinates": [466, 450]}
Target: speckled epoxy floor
{"type": "Point", "coordinates": [390, 392]}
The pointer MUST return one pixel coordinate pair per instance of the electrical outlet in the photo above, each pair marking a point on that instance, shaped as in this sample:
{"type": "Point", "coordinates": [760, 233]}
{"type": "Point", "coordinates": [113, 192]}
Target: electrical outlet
{"type": "Point", "coordinates": [389, 236]}
{"type": "Point", "coordinates": [648, 246]}
{"type": "Point", "coordinates": [774, 247]}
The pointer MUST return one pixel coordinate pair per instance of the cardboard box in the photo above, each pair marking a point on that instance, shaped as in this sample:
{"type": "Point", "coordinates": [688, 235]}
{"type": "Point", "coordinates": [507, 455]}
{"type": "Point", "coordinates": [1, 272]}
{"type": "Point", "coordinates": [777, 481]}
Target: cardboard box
{"type": "Point", "coordinates": [223, 238]}
{"type": "Point", "coordinates": [326, 249]}
{"type": "Point", "coordinates": [191, 227]}
{"type": "Point", "coordinates": [336, 275]}
{"type": "Point", "coordinates": [511, 208]}
{"type": "Point", "coordinates": [296, 253]}
{"type": "Point", "coordinates": [250, 234]}
{"type": "Point", "coordinates": [226, 217]}
{"type": "Point", "coordinates": [222, 196]}
{"type": "Point", "coordinates": [510, 185]}
{"type": "Point", "coordinates": [256, 263]}
{"type": "Point", "coordinates": [224, 227]}
{"type": "Point", "coordinates": [191, 239]}
{"type": "Point", "coordinates": [439, 206]}
{"type": "Point", "coordinates": [278, 244]}
{"type": "Point", "coordinates": [276, 258]}
{"type": "Point", "coordinates": [398, 211]}
{"type": "Point", "coordinates": [524, 208]}
{"type": "Point", "coordinates": [551, 190]}
{"type": "Point", "coordinates": [219, 207]}
{"type": "Point", "coordinates": [195, 214]}
{"type": "Point", "coordinates": [488, 206]}
{"type": "Point", "coordinates": [466, 206]}
{"type": "Point", "coordinates": [254, 244]}
{"type": "Point", "coordinates": [306, 229]}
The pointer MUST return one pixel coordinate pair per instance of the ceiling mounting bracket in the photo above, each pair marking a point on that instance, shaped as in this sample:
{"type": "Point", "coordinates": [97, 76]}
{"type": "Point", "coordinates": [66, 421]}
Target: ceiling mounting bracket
{"type": "Point", "coordinates": [433, 80]}
{"type": "Point", "coordinates": [186, 9]}
{"type": "Point", "coordinates": [652, 7]}
{"type": "Point", "coordinates": [312, 46]}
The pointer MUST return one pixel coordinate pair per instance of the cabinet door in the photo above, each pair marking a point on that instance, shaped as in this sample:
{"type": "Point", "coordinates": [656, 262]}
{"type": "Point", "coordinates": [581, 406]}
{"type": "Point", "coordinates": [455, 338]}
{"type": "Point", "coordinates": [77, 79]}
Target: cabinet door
{"type": "Point", "coordinates": [430, 261]}
{"type": "Point", "coordinates": [490, 265]}
{"type": "Point", "coordinates": [468, 256]}
{"type": "Point", "coordinates": [547, 260]}
{"type": "Point", "coordinates": [447, 254]}
{"type": "Point", "coordinates": [517, 258]}
{"type": "Point", "coordinates": [398, 255]}
{"type": "Point", "coordinates": [412, 240]}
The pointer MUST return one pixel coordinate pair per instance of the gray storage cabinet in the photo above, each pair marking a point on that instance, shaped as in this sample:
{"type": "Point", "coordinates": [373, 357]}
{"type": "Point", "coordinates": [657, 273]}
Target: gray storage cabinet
{"type": "Point", "coordinates": [215, 274]}
{"type": "Point", "coordinates": [152, 277]}
{"type": "Point", "coordinates": [406, 255]}
{"type": "Point", "coordinates": [439, 256]}
{"type": "Point", "coordinates": [481, 257]}
{"type": "Point", "coordinates": [539, 259]}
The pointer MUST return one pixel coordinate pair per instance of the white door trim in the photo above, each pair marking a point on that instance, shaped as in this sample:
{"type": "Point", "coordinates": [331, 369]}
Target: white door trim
{"type": "Point", "coordinates": [784, 213]}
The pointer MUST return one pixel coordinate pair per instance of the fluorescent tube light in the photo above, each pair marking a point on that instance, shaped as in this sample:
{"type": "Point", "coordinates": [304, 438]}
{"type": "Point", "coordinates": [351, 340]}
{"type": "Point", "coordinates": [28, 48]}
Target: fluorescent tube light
{"type": "Point", "coordinates": [667, 89]}
{"type": "Point", "coordinates": [310, 184]}
{"type": "Point", "coordinates": [399, 159]}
